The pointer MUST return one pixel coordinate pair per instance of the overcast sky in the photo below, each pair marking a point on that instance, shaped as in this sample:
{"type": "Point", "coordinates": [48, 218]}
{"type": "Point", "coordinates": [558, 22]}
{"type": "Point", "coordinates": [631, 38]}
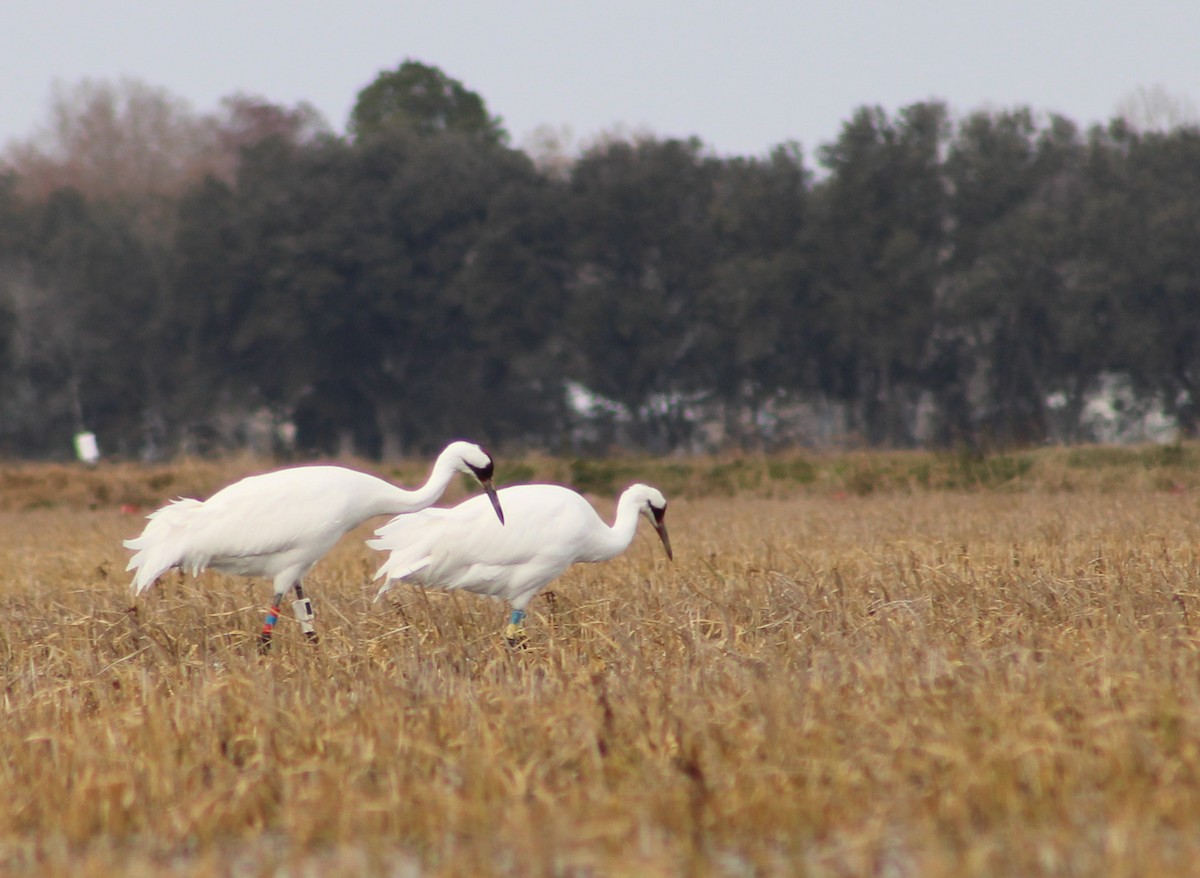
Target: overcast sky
{"type": "Point", "coordinates": [742, 76]}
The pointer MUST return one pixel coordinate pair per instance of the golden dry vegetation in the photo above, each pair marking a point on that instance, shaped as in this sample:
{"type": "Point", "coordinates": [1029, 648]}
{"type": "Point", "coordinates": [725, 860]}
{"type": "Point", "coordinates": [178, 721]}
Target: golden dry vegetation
{"type": "Point", "coordinates": [862, 665]}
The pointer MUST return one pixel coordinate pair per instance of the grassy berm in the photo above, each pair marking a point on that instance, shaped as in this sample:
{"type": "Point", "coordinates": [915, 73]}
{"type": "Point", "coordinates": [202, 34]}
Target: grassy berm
{"type": "Point", "coordinates": [893, 665]}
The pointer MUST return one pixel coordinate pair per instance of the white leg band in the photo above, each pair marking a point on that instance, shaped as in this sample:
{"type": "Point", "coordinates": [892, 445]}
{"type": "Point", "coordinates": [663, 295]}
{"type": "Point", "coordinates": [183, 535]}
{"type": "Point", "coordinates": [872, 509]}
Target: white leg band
{"type": "Point", "coordinates": [304, 614]}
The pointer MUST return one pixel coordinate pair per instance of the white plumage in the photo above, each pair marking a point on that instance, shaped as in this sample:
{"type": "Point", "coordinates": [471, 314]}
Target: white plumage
{"type": "Point", "coordinates": [279, 524]}
{"type": "Point", "coordinates": [548, 529]}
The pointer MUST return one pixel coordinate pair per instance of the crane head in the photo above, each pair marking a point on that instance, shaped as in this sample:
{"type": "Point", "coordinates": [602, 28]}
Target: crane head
{"type": "Point", "coordinates": [654, 507]}
{"type": "Point", "coordinates": [471, 458]}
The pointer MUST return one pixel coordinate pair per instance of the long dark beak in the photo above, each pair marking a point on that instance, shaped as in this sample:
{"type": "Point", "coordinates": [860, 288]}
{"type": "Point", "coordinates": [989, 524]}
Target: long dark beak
{"type": "Point", "coordinates": [660, 527]}
{"type": "Point", "coordinates": [491, 492]}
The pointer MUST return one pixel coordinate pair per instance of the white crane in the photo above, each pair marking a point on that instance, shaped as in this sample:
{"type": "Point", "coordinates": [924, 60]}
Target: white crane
{"type": "Point", "coordinates": [549, 528]}
{"type": "Point", "coordinates": [279, 524]}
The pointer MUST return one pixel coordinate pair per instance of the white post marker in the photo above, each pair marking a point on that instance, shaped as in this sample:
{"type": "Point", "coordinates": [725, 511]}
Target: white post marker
{"type": "Point", "coordinates": [86, 447]}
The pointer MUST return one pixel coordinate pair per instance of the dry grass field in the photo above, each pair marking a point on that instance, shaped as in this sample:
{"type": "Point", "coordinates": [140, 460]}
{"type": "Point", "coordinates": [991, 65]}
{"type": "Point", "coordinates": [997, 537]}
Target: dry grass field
{"type": "Point", "coordinates": [892, 666]}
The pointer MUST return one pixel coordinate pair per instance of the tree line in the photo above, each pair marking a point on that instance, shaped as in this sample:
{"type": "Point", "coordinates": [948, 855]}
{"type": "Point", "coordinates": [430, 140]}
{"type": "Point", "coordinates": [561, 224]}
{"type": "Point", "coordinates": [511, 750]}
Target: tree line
{"type": "Point", "coordinates": [181, 283]}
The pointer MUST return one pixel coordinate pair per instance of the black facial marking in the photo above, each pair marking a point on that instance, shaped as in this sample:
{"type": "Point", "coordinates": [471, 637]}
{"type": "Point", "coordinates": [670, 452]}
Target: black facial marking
{"type": "Point", "coordinates": [658, 513]}
{"type": "Point", "coordinates": [485, 472]}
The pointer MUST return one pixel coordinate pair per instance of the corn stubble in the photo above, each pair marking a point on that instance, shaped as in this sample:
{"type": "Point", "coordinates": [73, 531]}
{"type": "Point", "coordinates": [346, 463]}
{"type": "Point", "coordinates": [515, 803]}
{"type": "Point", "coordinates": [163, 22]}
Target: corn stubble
{"type": "Point", "coordinates": [971, 683]}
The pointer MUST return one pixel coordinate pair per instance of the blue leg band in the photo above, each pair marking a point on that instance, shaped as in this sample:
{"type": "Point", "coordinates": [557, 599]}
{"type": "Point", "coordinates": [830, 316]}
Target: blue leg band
{"type": "Point", "coordinates": [517, 617]}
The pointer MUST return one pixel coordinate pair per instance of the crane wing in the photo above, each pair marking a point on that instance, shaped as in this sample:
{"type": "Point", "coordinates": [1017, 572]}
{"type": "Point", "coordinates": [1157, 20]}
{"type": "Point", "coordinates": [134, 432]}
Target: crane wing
{"type": "Point", "coordinates": [467, 547]}
{"type": "Point", "coordinates": [255, 527]}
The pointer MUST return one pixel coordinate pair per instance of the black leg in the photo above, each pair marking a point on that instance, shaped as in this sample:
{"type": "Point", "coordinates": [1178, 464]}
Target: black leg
{"type": "Point", "coordinates": [268, 629]}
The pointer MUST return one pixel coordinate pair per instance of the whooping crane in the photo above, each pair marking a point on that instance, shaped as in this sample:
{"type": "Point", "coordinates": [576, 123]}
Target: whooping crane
{"type": "Point", "coordinates": [280, 523]}
{"type": "Point", "coordinates": [549, 528]}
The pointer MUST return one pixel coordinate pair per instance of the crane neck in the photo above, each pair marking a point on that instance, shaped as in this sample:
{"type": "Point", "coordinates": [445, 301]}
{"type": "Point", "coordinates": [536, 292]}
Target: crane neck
{"type": "Point", "coordinates": [412, 500]}
{"type": "Point", "coordinates": [616, 539]}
